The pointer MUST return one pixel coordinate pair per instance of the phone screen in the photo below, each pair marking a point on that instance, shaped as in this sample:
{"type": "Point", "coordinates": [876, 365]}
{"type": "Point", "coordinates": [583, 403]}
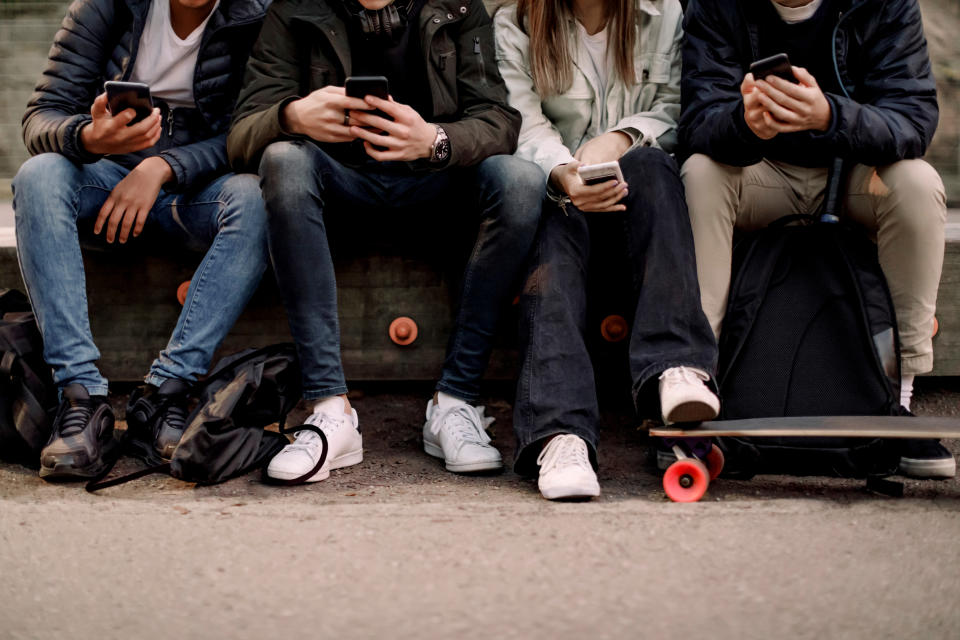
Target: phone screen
{"type": "Point", "coordinates": [778, 65]}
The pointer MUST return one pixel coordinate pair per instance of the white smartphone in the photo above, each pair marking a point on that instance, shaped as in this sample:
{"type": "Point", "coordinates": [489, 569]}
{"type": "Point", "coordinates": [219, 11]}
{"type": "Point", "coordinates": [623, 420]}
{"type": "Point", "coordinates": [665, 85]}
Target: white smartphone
{"type": "Point", "coordinates": [597, 173]}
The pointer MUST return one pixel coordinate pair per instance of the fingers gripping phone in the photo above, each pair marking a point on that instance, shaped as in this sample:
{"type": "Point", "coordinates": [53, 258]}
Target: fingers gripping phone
{"type": "Point", "coordinates": [363, 86]}
{"type": "Point", "coordinates": [129, 95]}
{"type": "Point", "coordinates": [596, 173]}
{"type": "Point", "coordinates": [778, 65]}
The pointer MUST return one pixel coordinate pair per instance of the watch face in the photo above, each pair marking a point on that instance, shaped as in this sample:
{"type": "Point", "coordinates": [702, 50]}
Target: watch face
{"type": "Point", "coordinates": [442, 150]}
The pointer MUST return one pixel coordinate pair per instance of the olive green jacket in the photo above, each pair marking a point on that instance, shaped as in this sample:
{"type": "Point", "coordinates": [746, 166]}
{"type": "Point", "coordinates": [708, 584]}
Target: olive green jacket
{"type": "Point", "coordinates": [555, 127]}
{"type": "Point", "coordinates": [303, 46]}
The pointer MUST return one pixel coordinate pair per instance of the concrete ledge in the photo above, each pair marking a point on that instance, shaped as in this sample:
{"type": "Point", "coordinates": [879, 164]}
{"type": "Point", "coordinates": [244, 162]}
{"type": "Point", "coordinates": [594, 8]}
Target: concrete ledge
{"type": "Point", "coordinates": [133, 308]}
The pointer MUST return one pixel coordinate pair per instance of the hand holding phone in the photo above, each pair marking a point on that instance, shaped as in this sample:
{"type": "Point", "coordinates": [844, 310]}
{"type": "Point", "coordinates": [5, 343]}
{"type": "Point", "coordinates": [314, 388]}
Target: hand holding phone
{"type": "Point", "coordinates": [129, 95]}
{"type": "Point", "coordinates": [113, 134]}
{"type": "Point", "coordinates": [322, 115]}
{"type": "Point", "coordinates": [603, 196]}
{"type": "Point", "coordinates": [779, 98]}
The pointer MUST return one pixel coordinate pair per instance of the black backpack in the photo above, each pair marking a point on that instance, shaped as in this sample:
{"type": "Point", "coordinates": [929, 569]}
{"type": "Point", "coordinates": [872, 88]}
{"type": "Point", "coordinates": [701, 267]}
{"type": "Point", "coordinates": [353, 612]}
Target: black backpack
{"type": "Point", "coordinates": [225, 435]}
{"type": "Point", "coordinates": [28, 398]}
{"type": "Point", "coordinates": [810, 330]}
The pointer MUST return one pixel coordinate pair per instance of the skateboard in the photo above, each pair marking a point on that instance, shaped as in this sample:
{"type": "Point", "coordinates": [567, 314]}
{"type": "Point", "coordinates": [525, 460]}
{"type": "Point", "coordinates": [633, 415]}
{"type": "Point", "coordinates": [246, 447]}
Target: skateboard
{"type": "Point", "coordinates": [699, 460]}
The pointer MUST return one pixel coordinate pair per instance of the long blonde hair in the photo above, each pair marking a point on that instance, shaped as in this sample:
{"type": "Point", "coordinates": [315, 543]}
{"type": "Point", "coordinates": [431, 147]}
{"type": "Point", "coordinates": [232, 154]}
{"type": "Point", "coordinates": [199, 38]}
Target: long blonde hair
{"type": "Point", "coordinates": [547, 24]}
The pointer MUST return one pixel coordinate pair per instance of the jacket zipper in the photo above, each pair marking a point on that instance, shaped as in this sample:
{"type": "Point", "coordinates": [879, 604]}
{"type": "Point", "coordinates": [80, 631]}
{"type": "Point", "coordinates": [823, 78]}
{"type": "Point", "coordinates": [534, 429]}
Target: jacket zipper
{"type": "Point", "coordinates": [170, 122]}
{"type": "Point", "coordinates": [477, 51]}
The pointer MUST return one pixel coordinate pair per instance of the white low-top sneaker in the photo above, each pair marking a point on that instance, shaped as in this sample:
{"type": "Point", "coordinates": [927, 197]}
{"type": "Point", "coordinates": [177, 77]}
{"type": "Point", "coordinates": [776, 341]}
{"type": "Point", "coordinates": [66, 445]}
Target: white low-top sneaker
{"type": "Point", "coordinates": [457, 433]}
{"type": "Point", "coordinates": [299, 457]}
{"type": "Point", "coordinates": [685, 396]}
{"type": "Point", "coordinates": [565, 469]}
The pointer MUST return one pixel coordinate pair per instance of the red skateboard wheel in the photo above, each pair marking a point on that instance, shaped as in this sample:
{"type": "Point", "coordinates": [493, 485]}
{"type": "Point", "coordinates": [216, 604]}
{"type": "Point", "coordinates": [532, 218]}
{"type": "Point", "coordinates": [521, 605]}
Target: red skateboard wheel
{"type": "Point", "coordinates": [714, 461]}
{"type": "Point", "coordinates": [614, 328]}
{"type": "Point", "coordinates": [686, 480]}
{"type": "Point", "coordinates": [182, 292]}
{"type": "Point", "coordinates": [403, 331]}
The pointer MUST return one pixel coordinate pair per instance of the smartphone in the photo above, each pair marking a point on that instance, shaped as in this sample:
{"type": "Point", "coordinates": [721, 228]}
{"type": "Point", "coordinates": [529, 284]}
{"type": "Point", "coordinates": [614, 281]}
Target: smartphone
{"type": "Point", "coordinates": [363, 86]}
{"type": "Point", "coordinates": [592, 174]}
{"type": "Point", "coordinates": [778, 65]}
{"type": "Point", "coordinates": [129, 95]}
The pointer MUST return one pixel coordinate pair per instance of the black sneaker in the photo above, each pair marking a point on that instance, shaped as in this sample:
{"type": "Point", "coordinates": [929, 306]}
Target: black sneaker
{"type": "Point", "coordinates": [81, 445]}
{"type": "Point", "coordinates": [926, 459]}
{"type": "Point", "coordinates": [156, 418]}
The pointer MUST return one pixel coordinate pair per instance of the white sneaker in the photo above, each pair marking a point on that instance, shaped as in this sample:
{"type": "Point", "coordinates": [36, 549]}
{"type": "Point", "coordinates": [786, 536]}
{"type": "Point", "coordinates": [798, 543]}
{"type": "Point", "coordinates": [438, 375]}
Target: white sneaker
{"type": "Point", "coordinates": [565, 469]}
{"type": "Point", "coordinates": [685, 397]}
{"type": "Point", "coordinates": [343, 439]}
{"type": "Point", "coordinates": [457, 433]}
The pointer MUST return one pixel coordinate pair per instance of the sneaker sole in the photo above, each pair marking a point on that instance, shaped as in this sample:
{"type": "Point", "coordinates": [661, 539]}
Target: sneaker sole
{"type": "Point", "coordinates": [346, 460]}
{"type": "Point", "coordinates": [939, 468]}
{"type": "Point", "coordinates": [691, 412]}
{"type": "Point", "coordinates": [570, 493]}
{"type": "Point", "coordinates": [111, 451]}
{"type": "Point", "coordinates": [467, 467]}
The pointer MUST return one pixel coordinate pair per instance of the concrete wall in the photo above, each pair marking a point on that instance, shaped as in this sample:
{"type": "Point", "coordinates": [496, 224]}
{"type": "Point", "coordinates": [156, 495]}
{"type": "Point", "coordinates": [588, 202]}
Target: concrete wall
{"type": "Point", "coordinates": [27, 28]}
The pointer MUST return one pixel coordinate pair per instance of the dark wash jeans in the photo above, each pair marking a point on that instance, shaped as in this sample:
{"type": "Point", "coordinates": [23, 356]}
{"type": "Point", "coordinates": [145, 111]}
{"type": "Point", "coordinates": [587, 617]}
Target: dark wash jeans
{"type": "Point", "coordinates": [303, 186]}
{"type": "Point", "coordinates": [556, 392]}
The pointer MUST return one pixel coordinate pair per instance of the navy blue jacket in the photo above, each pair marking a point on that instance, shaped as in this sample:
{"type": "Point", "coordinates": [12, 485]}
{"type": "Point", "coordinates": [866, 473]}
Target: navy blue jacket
{"type": "Point", "coordinates": [889, 113]}
{"type": "Point", "coordinates": [98, 41]}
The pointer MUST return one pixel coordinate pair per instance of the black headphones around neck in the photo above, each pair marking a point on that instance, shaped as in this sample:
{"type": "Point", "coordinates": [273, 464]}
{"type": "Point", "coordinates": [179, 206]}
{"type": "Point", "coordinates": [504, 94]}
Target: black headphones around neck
{"type": "Point", "coordinates": [385, 24]}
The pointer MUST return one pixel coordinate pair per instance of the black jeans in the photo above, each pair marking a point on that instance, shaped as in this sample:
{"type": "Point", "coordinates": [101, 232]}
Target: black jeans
{"type": "Point", "coordinates": [556, 392]}
{"type": "Point", "coordinates": [302, 185]}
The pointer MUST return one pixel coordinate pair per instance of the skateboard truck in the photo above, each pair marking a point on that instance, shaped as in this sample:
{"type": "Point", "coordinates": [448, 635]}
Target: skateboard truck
{"type": "Point", "coordinates": [698, 462]}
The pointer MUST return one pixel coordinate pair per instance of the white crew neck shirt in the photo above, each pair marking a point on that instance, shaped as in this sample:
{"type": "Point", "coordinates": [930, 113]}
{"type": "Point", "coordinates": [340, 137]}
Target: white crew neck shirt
{"type": "Point", "coordinates": [164, 61]}
{"type": "Point", "coordinates": [595, 46]}
{"type": "Point", "coordinates": [792, 15]}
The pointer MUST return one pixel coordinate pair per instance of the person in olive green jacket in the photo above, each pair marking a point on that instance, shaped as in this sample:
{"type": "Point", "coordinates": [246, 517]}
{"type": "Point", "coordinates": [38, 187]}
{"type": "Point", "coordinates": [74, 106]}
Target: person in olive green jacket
{"type": "Point", "coordinates": [440, 144]}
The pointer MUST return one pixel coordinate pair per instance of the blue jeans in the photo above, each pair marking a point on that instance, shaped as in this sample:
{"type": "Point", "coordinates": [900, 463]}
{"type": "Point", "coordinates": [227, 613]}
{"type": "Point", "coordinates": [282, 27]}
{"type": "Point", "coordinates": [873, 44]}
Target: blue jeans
{"type": "Point", "coordinates": [53, 198]}
{"type": "Point", "coordinates": [303, 187]}
{"type": "Point", "coordinates": [556, 392]}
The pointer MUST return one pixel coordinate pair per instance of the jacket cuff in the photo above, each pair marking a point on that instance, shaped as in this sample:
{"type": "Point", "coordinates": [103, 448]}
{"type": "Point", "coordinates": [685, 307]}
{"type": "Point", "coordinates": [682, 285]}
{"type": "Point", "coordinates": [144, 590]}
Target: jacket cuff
{"type": "Point", "coordinates": [831, 131]}
{"type": "Point", "coordinates": [73, 145]}
{"type": "Point", "coordinates": [278, 118]}
{"type": "Point", "coordinates": [179, 171]}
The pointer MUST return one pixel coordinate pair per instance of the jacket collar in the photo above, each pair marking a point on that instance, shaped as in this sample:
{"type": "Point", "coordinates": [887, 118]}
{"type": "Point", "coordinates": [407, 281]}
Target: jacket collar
{"type": "Point", "coordinates": [650, 7]}
{"type": "Point", "coordinates": [227, 13]}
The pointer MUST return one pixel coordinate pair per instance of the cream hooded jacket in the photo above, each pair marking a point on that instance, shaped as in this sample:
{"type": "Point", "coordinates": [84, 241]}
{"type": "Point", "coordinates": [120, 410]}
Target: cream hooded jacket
{"type": "Point", "coordinates": [555, 127]}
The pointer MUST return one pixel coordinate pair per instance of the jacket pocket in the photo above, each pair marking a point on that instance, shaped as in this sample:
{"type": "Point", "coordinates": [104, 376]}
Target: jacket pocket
{"type": "Point", "coordinates": [654, 67]}
{"type": "Point", "coordinates": [320, 76]}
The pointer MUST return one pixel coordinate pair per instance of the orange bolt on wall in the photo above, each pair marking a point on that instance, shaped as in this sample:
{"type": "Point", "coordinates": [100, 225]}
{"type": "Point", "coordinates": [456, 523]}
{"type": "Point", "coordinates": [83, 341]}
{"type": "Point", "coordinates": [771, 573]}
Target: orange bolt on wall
{"type": "Point", "coordinates": [403, 331]}
{"type": "Point", "coordinates": [614, 328]}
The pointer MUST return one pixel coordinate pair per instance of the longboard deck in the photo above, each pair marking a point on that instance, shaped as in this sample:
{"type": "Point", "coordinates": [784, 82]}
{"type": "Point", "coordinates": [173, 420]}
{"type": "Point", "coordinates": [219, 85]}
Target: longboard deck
{"type": "Point", "coordinates": [819, 426]}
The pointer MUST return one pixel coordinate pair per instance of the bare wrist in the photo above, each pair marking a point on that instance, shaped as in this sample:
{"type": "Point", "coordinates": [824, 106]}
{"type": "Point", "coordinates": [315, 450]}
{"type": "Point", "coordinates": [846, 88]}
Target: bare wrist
{"type": "Point", "coordinates": [86, 139]}
{"type": "Point", "coordinates": [289, 121]}
{"type": "Point", "coordinates": [157, 168]}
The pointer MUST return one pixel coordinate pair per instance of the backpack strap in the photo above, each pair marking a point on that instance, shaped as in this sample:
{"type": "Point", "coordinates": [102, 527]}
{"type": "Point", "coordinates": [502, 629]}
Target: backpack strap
{"type": "Point", "coordinates": [323, 456]}
{"type": "Point", "coordinates": [99, 483]}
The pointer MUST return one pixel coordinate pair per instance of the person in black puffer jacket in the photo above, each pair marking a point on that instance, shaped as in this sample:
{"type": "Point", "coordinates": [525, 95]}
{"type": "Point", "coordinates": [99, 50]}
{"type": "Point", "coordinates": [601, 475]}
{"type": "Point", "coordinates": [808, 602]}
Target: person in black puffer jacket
{"type": "Point", "coordinates": [165, 178]}
{"type": "Point", "coordinates": [758, 149]}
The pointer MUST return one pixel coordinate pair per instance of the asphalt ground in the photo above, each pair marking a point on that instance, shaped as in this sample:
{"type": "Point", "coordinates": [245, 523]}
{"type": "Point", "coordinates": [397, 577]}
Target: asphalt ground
{"type": "Point", "coordinates": [398, 548]}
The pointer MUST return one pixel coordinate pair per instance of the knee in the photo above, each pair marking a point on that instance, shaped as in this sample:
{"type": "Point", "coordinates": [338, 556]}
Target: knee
{"type": "Point", "coordinates": [916, 191]}
{"type": "Point", "coordinates": [520, 188]}
{"type": "Point", "coordinates": [39, 186]}
{"type": "Point", "coordinates": [284, 165]}
{"type": "Point", "coordinates": [245, 209]}
{"type": "Point", "coordinates": [645, 163]}
{"type": "Point", "coordinates": [706, 183]}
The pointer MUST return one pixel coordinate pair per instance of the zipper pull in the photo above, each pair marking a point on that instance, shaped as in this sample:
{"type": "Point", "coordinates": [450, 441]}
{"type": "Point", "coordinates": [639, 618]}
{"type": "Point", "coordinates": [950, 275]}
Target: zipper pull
{"type": "Point", "coordinates": [476, 44]}
{"type": "Point", "coordinates": [170, 122]}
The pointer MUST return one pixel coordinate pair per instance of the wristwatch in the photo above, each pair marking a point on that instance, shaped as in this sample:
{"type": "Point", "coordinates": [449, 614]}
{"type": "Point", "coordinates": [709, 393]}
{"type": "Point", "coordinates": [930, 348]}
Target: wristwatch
{"type": "Point", "coordinates": [440, 150]}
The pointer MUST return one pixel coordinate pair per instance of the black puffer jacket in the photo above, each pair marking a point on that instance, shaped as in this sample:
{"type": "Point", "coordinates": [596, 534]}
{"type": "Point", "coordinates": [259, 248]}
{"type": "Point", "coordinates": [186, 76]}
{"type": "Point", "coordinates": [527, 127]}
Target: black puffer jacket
{"type": "Point", "coordinates": [98, 41]}
{"type": "Point", "coordinates": [890, 113]}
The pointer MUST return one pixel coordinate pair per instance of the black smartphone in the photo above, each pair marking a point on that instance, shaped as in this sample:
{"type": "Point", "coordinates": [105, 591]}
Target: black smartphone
{"type": "Point", "coordinates": [363, 86]}
{"type": "Point", "coordinates": [778, 65]}
{"type": "Point", "coordinates": [129, 95]}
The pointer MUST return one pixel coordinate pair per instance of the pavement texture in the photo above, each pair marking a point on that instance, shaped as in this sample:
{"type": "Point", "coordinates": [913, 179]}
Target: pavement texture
{"type": "Point", "coordinates": [398, 548]}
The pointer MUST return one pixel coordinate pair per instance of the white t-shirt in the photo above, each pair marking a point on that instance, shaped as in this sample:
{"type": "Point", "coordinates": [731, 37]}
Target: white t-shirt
{"type": "Point", "coordinates": [791, 15]}
{"type": "Point", "coordinates": [164, 61]}
{"type": "Point", "coordinates": [596, 48]}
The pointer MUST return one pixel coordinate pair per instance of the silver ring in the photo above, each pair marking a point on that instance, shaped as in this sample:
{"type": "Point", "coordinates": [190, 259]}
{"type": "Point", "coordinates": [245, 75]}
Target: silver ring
{"type": "Point", "coordinates": [346, 118]}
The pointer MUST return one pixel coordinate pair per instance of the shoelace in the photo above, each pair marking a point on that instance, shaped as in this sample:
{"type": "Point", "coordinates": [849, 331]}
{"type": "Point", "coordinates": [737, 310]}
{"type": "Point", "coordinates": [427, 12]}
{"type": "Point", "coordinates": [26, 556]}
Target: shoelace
{"type": "Point", "coordinates": [76, 417]}
{"type": "Point", "coordinates": [683, 375]}
{"type": "Point", "coordinates": [174, 412]}
{"type": "Point", "coordinates": [464, 422]}
{"type": "Point", "coordinates": [564, 451]}
{"type": "Point", "coordinates": [306, 440]}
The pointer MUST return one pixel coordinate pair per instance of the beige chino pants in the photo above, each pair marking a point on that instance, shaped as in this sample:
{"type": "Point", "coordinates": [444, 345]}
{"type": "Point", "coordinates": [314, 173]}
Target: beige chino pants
{"type": "Point", "coordinates": [904, 204]}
